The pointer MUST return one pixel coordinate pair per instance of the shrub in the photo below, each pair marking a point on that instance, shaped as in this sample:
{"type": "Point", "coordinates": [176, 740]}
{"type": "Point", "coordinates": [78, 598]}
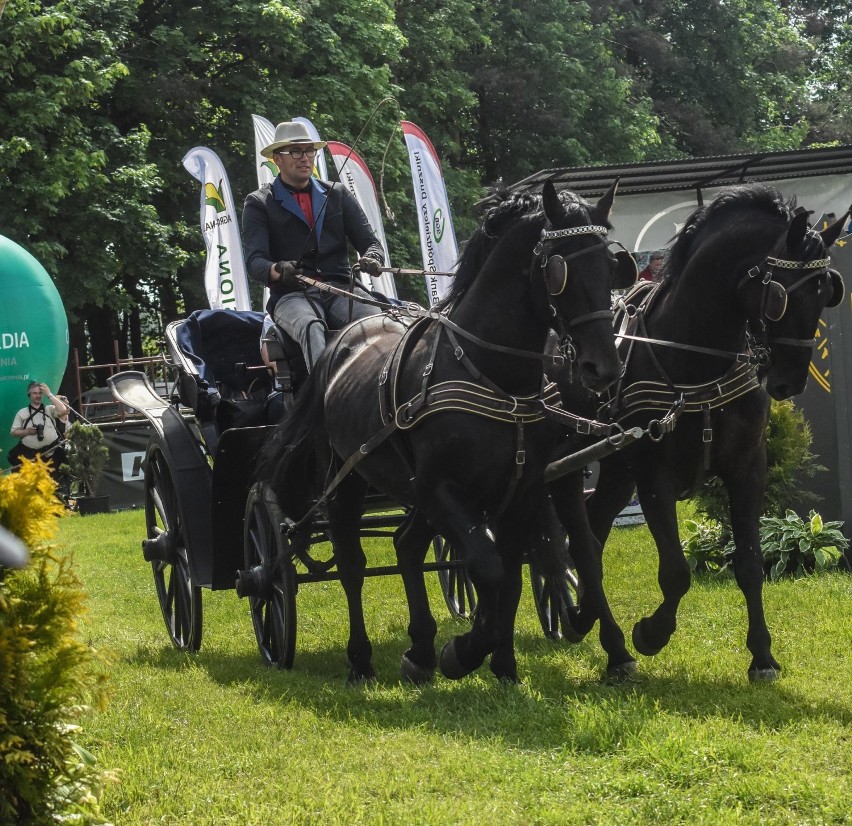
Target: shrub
{"type": "Point", "coordinates": [791, 546]}
{"type": "Point", "coordinates": [86, 456]}
{"type": "Point", "coordinates": [794, 546]}
{"type": "Point", "coordinates": [48, 676]}
{"type": "Point", "coordinates": [705, 546]}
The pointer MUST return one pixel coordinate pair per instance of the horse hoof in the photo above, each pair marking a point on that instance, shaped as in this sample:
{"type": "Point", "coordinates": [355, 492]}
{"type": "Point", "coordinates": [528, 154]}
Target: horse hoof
{"type": "Point", "coordinates": [451, 668]}
{"type": "Point", "coordinates": [571, 634]}
{"type": "Point", "coordinates": [356, 678]}
{"type": "Point", "coordinates": [640, 644]}
{"type": "Point", "coordinates": [763, 675]}
{"type": "Point", "coordinates": [622, 673]}
{"type": "Point", "coordinates": [413, 673]}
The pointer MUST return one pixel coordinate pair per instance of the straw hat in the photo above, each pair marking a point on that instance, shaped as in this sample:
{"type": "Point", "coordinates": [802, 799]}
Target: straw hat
{"type": "Point", "coordinates": [290, 133]}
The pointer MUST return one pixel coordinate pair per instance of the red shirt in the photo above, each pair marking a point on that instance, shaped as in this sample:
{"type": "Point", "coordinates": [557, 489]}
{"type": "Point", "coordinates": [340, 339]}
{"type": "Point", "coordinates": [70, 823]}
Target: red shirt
{"type": "Point", "coordinates": [303, 199]}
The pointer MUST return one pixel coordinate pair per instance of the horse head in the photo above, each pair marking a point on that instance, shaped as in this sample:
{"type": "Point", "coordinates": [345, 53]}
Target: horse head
{"type": "Point", "coordinates": [578, 269]}
{"type": "Point", "coordinates": [785, 297]}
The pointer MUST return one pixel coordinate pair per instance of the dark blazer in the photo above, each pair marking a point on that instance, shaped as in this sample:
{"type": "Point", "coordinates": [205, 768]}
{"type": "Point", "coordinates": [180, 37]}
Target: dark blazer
{"type": "Point", "coordinates": [275, 229]}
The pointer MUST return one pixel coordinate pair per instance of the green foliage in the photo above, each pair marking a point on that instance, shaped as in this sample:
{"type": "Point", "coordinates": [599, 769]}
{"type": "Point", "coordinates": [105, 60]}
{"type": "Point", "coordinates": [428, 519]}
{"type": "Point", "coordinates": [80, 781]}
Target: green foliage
{"type": "Point", "coordinates": [790, 464]}
{"type": "Point", "coordinates": [790, 545]}
{"type": "Point", "coordinates": [49, 677]}
{"type": "Point", "coordinates": [706, 546]}
{"type": "Point", "coordinates": [794, 546]}
{"type": "Point", "coordinates": [723, 77]}
{"type": "Point", "coordinates": [87, 455]}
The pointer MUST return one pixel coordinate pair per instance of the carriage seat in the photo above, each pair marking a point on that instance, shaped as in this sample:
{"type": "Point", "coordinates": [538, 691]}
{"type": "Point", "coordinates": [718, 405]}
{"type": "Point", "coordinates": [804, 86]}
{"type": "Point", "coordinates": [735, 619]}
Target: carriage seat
{"type": "Point", "coordinates": [285, 353]}
{"type": "Point", "coordinates": [222, 377]}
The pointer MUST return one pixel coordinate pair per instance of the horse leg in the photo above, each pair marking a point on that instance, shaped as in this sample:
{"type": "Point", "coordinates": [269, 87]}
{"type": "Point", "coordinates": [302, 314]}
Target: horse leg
{"type": "Point", "coordinates": [745, 496]}
{"type": "Point", "coordinates": [445, 507]}
{"type": "Point", "coordinates": [411, 541]}
{"type": "Point", "coordinates": [344, 510]}
{"type": "Point", "coordinates": [503, 663]}
{"type": "Point", "coordinates": [514, 534]}
{"type": "Point", "coordinates": [658, 497]}
{"type": "Point", "coordinates": [587, 553]}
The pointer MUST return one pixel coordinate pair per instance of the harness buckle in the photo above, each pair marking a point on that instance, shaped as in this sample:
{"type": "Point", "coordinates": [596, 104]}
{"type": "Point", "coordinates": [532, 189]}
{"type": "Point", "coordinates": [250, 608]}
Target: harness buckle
{"type": "Point", "coordinates": [428, 369]}
{"type": "Point", "coordinates": [754, 271]}
{"type": "Point", "coordinates": [707, 435]}
{"type": "Point", "coordinates": [458, 353]}
{"type": "Point", "coordinates": [520, 457]}
{"type": "Point", "coordinates": [584, 427]}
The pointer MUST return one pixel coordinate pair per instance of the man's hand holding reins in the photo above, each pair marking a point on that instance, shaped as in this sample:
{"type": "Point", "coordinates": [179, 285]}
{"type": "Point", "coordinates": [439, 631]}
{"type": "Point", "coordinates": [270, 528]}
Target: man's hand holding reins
{"type": "Point", "coordinates": [285, 272]}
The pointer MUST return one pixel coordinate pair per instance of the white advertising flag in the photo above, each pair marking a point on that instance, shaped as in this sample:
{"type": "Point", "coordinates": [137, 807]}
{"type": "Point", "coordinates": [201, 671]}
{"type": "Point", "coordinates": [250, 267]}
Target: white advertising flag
{"type": "Point", "coordinates": [225, 272]}
{"type": "Point", "coordinates": [320, 169]}
{"type": "Point", "coordinates": [437, 236]}
{"type": "Point", "coordinates": [264, 134]}
{"type": "Point", "coordinates": [355, 175]}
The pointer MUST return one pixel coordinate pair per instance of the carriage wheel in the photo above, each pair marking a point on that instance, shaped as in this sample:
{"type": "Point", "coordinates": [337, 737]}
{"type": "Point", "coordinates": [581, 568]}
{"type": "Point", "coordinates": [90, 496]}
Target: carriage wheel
{"type": "Point", "coordinates": [165, 549]}
{"type": "Point", "coordinates": [269, 579]}
{"type": "Point", "coordinates": [554, 595]}
{"type": "Point", "coordinates": [458, 590]}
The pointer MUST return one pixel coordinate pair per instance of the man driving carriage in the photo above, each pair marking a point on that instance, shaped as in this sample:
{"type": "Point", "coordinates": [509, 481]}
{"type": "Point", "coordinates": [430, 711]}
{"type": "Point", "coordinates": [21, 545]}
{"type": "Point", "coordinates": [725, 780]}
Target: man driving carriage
{"type": "Point", "coordinates": [299, 224]}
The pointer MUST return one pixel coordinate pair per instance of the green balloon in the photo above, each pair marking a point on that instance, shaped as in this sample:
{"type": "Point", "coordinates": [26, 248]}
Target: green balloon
{"type": "Point", "coordinates": [33, 334]}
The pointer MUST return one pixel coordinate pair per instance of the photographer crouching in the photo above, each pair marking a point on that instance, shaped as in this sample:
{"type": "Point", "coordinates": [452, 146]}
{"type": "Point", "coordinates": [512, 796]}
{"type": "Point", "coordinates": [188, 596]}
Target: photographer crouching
{"type": "Point", "coordinates": [35, 425]}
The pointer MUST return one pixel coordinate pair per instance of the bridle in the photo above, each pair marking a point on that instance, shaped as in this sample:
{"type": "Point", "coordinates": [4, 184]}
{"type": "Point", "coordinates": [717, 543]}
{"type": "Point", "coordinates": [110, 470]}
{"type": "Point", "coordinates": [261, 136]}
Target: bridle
{"type": "Point", "coordinates": [775, 296]}
{"type": "Point", "coordinates": [554, 268]}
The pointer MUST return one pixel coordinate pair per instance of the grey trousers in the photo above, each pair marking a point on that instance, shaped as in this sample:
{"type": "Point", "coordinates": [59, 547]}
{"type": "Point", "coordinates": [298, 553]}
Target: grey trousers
{"type": "Point", "coordinates": [306, 314]}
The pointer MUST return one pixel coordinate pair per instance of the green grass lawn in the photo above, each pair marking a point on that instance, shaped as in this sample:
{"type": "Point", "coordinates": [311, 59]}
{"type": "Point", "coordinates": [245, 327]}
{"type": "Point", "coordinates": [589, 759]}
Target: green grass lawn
{"type": "Point", "coordinates": [217, 738]}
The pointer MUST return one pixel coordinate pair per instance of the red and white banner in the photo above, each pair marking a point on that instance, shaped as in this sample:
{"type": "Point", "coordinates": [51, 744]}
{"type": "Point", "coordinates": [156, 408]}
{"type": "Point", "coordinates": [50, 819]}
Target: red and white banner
{"type": "Point", "coordinates": [224, 273]}
{"type": "Point", "coordinates": [437, 236]}
{"type": "Point", "coordinates": [355, 175]}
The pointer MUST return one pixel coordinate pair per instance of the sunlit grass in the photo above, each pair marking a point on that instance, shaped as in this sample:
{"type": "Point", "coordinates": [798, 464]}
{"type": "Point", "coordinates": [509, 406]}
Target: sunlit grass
{"type": "Point", "coordinates": [217, 738]}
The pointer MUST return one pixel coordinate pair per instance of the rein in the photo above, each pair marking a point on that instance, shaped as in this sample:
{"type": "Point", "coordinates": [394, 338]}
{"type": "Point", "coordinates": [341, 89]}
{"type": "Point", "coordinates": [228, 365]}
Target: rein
{"type": "Point", "coordinates": [482, 397]}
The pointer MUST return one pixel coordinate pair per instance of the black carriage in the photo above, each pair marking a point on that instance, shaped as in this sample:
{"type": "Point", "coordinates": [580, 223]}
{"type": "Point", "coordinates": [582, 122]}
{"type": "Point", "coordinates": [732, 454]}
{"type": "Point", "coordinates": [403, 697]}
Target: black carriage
{"type": "Point", "coordinates": [210, 525]}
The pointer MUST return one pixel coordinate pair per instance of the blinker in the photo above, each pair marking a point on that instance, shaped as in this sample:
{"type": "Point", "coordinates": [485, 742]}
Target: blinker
{"type": "Point", "coordinates": [838, 288]}
{"type": "Point", "coordinates": [774, 301]}
{"type": "Point", "coordinates": [626, 271]}
{"type": "Point", "coordinates": [556, 275]}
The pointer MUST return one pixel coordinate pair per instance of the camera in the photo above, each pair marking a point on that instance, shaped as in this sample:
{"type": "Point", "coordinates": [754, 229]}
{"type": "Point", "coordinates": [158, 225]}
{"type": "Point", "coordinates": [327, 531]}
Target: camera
{"type": "Point", "coordinates": [39, 432]}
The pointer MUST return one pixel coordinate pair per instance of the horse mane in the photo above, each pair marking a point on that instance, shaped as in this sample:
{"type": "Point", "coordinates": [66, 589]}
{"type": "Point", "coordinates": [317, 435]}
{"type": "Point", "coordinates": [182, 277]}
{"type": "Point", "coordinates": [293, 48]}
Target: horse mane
{"type": "Point", "coordinates": [504, 211]}
{"type": "Point", "coordinates": [759, 197]}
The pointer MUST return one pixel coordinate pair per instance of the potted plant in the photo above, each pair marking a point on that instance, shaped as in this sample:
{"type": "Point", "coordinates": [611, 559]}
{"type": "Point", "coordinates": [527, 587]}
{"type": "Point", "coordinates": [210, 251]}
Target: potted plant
{"type": "Point", "coordinates": [86, 455]}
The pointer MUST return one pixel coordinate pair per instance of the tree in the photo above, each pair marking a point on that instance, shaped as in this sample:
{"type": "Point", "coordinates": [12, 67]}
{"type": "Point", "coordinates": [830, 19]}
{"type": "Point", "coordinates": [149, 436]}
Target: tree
{"type": "Point", "coordinates": [550, 94]}
{"type": "Point", "coordinates": [723, 76]}
{"type": "Point", "coordinates": [79, 192]}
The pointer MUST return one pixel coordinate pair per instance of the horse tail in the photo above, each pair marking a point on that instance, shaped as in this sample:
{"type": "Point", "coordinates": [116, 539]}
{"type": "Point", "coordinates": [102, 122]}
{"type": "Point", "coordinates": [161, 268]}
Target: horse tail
{"type": "Point", "coordinates": [290, 460]}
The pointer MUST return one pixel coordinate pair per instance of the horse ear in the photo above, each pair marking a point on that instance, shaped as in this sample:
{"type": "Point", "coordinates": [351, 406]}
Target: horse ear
{"type": "Point", "coordinates": [603, 208]}
{"type": "Point", "coordinates": [797, 229]}
{"type": "Point", "coordinates": [553, 208]}
{"type": "Point", "coordinates": [831, 234]}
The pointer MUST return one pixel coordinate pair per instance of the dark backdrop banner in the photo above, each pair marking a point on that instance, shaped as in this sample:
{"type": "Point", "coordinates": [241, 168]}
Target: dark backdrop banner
{"type": "Point", "coordinates": [825, 399]}
{"type": "Point", "coordinates": [123, 478]}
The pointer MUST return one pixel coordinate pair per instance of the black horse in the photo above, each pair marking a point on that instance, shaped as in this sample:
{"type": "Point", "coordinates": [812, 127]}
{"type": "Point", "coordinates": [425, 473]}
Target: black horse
{"type": "Point", "coordinates": [444, 414]}
{"type": "Point", "coordinates": [731, 324]}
